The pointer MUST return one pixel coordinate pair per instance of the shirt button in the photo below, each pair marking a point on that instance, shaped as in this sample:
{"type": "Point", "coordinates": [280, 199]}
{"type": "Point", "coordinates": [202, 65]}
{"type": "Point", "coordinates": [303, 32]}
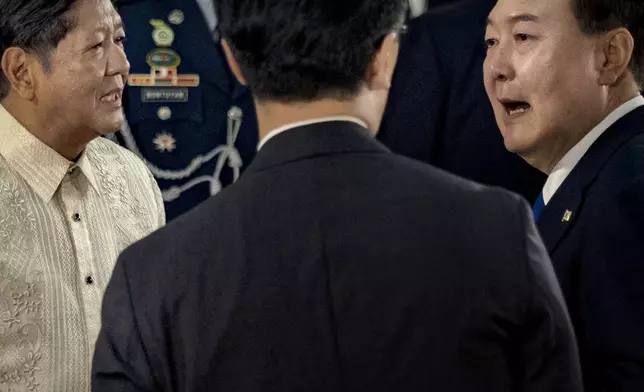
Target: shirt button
{"type": "Point", "coordinates": [89, 280]}
{"type": "Point", "coordinates": [76, 217]}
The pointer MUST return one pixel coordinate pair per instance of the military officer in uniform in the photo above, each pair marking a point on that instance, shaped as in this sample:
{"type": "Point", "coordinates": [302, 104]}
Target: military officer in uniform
{"type": "Point", "coordinates": [187, 116]}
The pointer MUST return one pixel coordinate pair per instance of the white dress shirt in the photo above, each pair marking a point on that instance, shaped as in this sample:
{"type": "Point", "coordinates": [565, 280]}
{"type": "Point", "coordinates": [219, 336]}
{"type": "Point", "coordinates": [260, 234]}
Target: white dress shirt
{"type": "Point", "coordinates": [569, 161]}
{"type": "Point", "coordinates": [62, 227]}
{"type": "Point", "coordinates": [287, 127]}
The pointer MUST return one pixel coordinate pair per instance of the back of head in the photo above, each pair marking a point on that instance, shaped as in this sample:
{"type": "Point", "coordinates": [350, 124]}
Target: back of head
{"type": "Point", "coordinates": [306, 50]}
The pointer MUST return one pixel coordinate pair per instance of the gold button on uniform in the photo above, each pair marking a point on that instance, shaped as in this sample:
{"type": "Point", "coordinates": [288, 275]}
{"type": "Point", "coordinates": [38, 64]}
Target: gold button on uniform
{"type": "Point", "coordinates": [176, 17]}
{"type": "Point", "coordinates": [164, 113]}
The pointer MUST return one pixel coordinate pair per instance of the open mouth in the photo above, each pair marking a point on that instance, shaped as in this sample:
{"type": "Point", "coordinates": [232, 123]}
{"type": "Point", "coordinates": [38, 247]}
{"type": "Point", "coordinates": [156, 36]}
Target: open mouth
{"type": "Point", "coordinates": [514, 108]}
{"type": "Point", "coordinates": [112, 97]}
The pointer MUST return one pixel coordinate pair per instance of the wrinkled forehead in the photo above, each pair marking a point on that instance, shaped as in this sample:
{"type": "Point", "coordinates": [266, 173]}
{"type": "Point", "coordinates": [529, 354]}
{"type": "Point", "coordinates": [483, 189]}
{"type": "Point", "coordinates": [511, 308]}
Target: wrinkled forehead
{"type": "Point", "coordinates": [96, 14]}
{"type": "Point", "coordinates": [509, 12]}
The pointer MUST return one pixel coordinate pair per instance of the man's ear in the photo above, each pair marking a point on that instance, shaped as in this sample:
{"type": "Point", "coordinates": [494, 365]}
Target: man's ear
{"type": "Point", "coordinates": [232, 63]}
{"type": "Point", "coordinates": [17, 66]}
{"type": "Point", "coordinates": [381, 69]}
{"type": "Point", "coordinates": [616, 52]}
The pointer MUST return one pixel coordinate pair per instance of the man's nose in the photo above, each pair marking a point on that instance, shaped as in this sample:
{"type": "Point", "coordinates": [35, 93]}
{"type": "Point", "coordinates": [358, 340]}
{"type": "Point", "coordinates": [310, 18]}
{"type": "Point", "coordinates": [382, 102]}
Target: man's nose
{"type": "Point", "coordinates": [498, 64]}
{"type": "Point", "coordinates": [117, 62]}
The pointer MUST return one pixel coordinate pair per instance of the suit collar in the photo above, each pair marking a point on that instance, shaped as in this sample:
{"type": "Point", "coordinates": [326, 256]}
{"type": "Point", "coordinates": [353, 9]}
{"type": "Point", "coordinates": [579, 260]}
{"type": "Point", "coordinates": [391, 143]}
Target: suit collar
{"type": "Point", "coordinates": [299, 124]}
{"type": "Point", "coordinates": [560, 213]}
{"type": "Point", "coordinates": [313, 140]}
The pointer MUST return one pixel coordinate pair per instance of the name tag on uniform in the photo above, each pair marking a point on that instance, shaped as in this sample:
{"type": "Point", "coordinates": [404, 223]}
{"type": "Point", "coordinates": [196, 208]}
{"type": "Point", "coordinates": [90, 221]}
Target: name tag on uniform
{"type": "Point", "coordinates": [164, 94]}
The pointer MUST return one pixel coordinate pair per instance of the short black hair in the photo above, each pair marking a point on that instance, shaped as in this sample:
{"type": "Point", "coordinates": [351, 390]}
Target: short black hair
{"type": "Point", "coordinates": [37, 26]}
{"type": "Point", "coordinates": [601, 16]}
{"type": "Point", "coordinates": [306, 50]}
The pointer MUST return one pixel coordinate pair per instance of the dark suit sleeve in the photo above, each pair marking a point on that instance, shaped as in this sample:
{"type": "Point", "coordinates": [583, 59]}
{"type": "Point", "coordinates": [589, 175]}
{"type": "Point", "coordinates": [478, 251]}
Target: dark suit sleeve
{"type": "Point", "coordinates": [612, 291]}
{"type": "Point", "coordinates": [548, 351]}
{"type": "Point", "coordinates": [120, 362]}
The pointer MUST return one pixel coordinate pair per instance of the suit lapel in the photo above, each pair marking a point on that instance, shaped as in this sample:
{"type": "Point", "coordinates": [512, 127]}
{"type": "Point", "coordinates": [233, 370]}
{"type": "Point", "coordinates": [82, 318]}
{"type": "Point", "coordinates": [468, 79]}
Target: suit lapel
{"type": "Point", "coordinates": [560, 214]}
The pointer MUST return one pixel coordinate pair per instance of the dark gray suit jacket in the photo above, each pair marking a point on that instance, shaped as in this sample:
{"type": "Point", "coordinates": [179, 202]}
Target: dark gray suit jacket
{"type": "Point", "coordinates": [335, 265]}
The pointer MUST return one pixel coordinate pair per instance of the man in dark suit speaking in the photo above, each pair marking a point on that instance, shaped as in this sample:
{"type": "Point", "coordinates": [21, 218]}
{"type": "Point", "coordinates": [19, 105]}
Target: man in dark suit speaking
{"type": "Point", "coordinates": [564, 79]}
{"type": "Point", "coordinates": [332, 264]}
{"type": "Point", "coordinates": [438, 111]}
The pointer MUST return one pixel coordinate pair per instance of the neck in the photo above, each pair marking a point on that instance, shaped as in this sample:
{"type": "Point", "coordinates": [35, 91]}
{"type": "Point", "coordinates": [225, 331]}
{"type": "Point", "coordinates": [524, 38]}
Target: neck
{"type": "Point", "coordinates": [273, 115]}
{"type": "Point", "coordinates": [614, 98]}
{"type": "Point", "coordinates": [68, 144]}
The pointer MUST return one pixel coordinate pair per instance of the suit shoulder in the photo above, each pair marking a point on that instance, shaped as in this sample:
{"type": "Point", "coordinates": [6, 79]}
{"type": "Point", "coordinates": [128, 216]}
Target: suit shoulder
{"type": "Point", "coordinates": [624, 171]}
{"type": "Point", "coordinates": [200, 226]}
{"type": "Point", "coordinates": [630, 157]}
{"type": "Point", "coordinates": [491, 223]}
{"type": "Point", "coordinates": [169, 260]}
{"type": "Point", "coordinates": [615, 197]}
{"type": "Point", "coordinates": [453, 185]}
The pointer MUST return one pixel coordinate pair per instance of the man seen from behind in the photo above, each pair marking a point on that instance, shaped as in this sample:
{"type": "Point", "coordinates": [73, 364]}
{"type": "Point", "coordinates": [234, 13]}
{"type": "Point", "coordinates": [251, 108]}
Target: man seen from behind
{"type": "Point", "coordinates": [340, 266]}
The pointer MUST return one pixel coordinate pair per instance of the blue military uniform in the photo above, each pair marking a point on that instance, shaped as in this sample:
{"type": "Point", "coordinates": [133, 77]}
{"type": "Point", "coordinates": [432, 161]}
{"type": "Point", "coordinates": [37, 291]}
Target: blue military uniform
{"type": "Point", "coordinates": [187, 116]}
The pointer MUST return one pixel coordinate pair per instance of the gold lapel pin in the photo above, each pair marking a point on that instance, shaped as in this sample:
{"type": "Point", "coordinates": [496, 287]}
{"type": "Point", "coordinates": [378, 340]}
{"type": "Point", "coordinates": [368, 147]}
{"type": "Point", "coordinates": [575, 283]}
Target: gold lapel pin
{"type": "Point", "coordinates": [567, 216]}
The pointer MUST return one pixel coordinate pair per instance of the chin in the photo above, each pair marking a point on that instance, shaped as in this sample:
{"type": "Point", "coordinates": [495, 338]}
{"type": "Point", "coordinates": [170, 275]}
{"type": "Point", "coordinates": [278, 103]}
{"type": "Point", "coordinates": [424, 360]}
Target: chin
{"type": "Point", "coordinates": [515, 138]}
{"type": "Point", "coordinates": [111, 127]}
{"type": "Point", "coordinates": [519, 147]}
{"type": "Point", "coordinates": [523, 148]}
{"type": "Point", "coordinates": [512, 145]}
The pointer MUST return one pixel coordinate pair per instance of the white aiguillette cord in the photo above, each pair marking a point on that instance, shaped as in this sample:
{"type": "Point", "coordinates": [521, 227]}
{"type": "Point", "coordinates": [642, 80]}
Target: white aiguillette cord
{"type": "Point", "coordinates": [226, 153]}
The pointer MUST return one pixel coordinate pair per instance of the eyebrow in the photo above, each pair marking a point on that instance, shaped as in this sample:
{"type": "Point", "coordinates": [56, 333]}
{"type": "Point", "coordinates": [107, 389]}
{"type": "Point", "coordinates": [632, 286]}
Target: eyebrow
{"type": "Point", "coordinates": [117, 25]}
{"type": "Point", "coordinates": [516, 18]}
